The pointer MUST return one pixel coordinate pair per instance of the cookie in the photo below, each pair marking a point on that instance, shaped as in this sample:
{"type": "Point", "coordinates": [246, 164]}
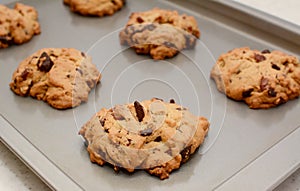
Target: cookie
{"type": "Point", "coordinates": [95, 7]}
{"type": "Point", "coordinates": [262, 79]}
{"type": "Point", "coordinates": [18, 25]}
{"type": "Point", "coordinates": [62, 77]}
{"type": "Point", "coordinates": [160, 33]}
{"type": "Point", "coordinates": [151, 135]}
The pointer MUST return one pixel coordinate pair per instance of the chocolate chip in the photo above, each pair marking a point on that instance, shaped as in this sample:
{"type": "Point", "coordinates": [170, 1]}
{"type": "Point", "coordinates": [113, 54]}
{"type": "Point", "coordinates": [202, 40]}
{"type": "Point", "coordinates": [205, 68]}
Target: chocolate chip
{"type": "Point", "coordinates": [139, 111]}
{"type": "Point", "coordinates": [179, 109]}
{"type": "Point", "coordinates": [146, 132]}
{"type": "Point", "coordinates": [150, 27]}
{"type": "Point", "coordinates": [158, 139]}
{"type": "Point", "coordinates": [5, 40]}
{"type": "Point", "coordinates": [266, 51]}
{"type": "Point", "coordinates": [139, 20]}
{"type": "Point", "coordinates": [285, 63]}
{"type": "Point", "coordinates": [118, 116]}
{"type": "Point", "coordinates": [82, 54]}
{"type": "Point", "coordinates": [247, 93]}
{"type": "Point", "coordinates": [170, 45]}
{"type": "Point", "coordinates": [158, 99]}
{"type": "Point", "coordinates": [172, 101]}
{"type": "Point", "coordinates": [272, 93]}
{"type": "Point", "coordinates": [259, 57]}
{"type": "Point", "coordinates": [102, 122]}
{"type": "Point", "coordinates": [264, 83]}
{"type": "Point", "coordinates": [79, 70]}
{"type": "Point", "coordinates": [185, 154]}
{"type": "Point", "coordinates": [24, 74]}
{"type": "Point", "coordinates": [274, 66]}
{"type": "Point", "coordinates": [46, 64]}
{"type": "Point", "coordinates": [113, 2]}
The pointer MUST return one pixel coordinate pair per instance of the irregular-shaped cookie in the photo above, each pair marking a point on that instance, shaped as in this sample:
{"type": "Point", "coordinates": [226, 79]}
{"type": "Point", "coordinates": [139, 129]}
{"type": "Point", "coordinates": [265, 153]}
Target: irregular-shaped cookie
{"type": "Point", "coordinates": [62, 77]}
{"type": "Point", "coordinates": [262, 79]}
{"type": "Point", "coordinates": [160, 33]}
{"type": "Point", "coordinates": [17, 25]}
{"type": "Point", "coordinates": [152, 135]}
{"type": "Point", "coordinates": [95, 7]}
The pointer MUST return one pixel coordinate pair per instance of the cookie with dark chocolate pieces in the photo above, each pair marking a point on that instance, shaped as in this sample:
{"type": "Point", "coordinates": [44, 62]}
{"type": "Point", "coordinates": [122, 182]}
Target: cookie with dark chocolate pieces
{"type": "Point", "coordinates": [151, 135]}
{"type": "Point", "coordinates": [160, 33]}
{"type": "Point", "coordinates": [17, 25]}
{"type": "Point", "coordinates": [262, 79]}
{"type": "Point", "coordinates": [62, 77]}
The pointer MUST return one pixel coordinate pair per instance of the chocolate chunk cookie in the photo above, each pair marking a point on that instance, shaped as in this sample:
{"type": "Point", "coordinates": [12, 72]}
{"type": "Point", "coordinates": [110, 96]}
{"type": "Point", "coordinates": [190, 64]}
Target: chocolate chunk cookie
{"type": "Point", "coordinates": [62, 77]}
{"type": "Point", "coordinates": [160, 33]}
{"type": "Point", "coordinates": [262, 79]}
{"type": "Point", "coordinates": [151, 135]}
{"type": "Point", "coordinates": [95, 7]}
{"type": "Point", "coordinates": [17, 25]}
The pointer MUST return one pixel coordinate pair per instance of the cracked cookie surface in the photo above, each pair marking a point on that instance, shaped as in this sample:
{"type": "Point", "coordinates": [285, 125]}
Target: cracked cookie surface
{"type": "Point", "coordinates": [18, 25]}
{"type": "Point", "coordinates": [62, 77]}
{"type": "Point", "coordinates": [262, 79]}
{"type": "Point", "coordinates": [152, 135]}
{"type": "Point", "coordinates": [160, 33]}
{"type": "Point", "coordinates": [95, 7]}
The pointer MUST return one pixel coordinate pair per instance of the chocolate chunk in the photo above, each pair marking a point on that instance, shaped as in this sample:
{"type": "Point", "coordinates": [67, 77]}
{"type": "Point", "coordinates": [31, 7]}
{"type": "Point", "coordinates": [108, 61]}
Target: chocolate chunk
{"type": "Point", "coordinates": [266, 51]}
{"type": "Point", "coordinates": [247, 93]}
{"type": "Point", "coordinates": [259, 58]}
{"type": "Point", "coordinates": [172, 101]}
{"type": "Point", "coordinates": [117, 116]}
{"type": "Point", "coordinates": [46, 64]}
{"type": "Point", "coordinates": [139, 111]}
{"type": "Point", "coordinates": [158, 99]}
{"type": "Point", "coordinates": [113, 2]}
{"type": "Point", "coordinates": [272, 93]}
{"type": "Point", "coordinates": [149, 27]}
{"type": "Point", "coordinates": [24, 74]}
{"type": "Point", "coordinates": [185, 154]}
{"type": "Point", "coordinates": [274, 66]}
{"type": "Point", "coordinates": [158, 139]}
{"type": "Point", "coordinates": [264, 83]}
{"type": "Point", "coordinates": [170, 45]}
{"type": "Point", "coordinates": [146, 132]}
{"type": "Point", "coordinates": [139, 20]}
{"type": "Point", "coordinates": [5, 40]}
{"type": "Point", "coordinates": [102, 122]}
{"type": "Point", "coordinates": [79, 70]}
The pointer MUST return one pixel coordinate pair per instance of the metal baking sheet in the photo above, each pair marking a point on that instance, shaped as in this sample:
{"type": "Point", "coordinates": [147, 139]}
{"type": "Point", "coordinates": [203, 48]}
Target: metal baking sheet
{"type": "Point", "coordinates": [242, 143]}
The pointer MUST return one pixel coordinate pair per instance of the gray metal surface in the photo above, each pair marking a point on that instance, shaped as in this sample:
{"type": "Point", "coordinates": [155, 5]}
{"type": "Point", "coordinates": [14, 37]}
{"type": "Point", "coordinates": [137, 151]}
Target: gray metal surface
{"type": "Point", "coordinates": [47, 139]}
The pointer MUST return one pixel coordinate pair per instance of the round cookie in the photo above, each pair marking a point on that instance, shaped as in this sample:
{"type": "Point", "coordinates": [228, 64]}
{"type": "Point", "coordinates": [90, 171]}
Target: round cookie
{"type": "Point", "coordinates": [160, 33]}
{"type": "Point", "coordinates": [152, 135]}
{"type": "Point", "coordinates": [262, 79]}
{"type": "Point", "coordinates": [17, 25]}
{"type": "Point", "coordinates": [95, 7]}
{"type": "Point", "coordinates": [62, 77]}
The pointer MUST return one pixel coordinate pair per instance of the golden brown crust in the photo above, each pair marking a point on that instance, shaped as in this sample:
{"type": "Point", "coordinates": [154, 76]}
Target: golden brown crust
{"type": "Point", "coordinates": [260, 79]}
{"type": "Point", "coordinates": [98, 8]}
{"type": "Point", "coordinates": [18, 25]}
{"type": "Point", "coordinates": [160, 33]}
{"type": "Point", "coordinates": [62, 77]}
{"type": "Point", "coordinates": [152, 135]}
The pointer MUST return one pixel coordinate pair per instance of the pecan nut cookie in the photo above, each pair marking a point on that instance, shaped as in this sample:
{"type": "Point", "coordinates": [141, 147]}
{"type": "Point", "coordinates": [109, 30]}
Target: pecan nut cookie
{"type": "Point", "coordinates": [95, 7]}
{"type": "Point", "coordinates": [62, 77]}
{"type": "Point", "coordinates": [18, 25]}
{"type": "Point", "coordinates": [262, 79]}
{"type": "Point", "coordinates": [160, 33]}
{"type": "Point", "coordinates": [152, 135]}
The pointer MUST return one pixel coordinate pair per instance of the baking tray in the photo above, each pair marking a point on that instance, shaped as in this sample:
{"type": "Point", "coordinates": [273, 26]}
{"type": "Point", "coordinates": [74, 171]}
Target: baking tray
{"type": "Point", "coordinates": [244, 150]}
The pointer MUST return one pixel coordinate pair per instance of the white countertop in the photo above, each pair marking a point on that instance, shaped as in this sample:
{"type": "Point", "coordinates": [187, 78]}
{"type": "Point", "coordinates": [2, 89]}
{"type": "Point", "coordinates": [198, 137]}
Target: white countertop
{"type": "Point", "coordinates": [14, 175]}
